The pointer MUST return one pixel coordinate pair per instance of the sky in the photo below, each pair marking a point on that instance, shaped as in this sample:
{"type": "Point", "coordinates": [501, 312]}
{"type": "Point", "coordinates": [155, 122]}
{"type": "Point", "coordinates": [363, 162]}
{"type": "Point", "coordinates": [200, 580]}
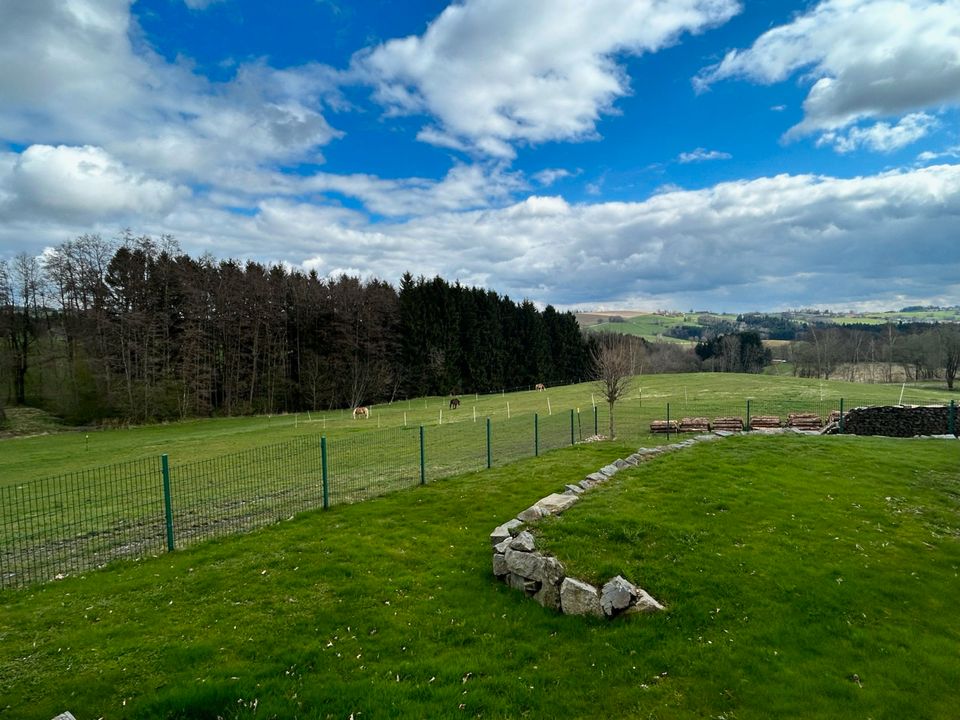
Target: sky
{"type": "Point", "coordinates": [635, 154]}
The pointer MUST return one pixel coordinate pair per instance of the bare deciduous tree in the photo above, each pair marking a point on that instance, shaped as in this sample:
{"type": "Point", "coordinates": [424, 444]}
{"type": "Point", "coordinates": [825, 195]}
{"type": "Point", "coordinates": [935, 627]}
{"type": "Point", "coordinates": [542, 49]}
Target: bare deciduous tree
{"type": "Point", "coordinates": [613, 365]}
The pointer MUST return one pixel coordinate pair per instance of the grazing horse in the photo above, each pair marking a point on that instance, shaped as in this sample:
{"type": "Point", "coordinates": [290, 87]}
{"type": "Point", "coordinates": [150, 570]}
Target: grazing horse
{"type": "Point", "coordinates": [361, 412]}
{"type": "Point", "coordinates": [539, 387]}
{"type": "Point", "coordinates": [454, 403]}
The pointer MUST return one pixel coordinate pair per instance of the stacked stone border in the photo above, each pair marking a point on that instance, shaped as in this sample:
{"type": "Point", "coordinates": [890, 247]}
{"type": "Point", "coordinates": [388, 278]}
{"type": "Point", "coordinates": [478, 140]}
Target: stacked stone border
{"type": "Point", "coordinates": [518, 563]}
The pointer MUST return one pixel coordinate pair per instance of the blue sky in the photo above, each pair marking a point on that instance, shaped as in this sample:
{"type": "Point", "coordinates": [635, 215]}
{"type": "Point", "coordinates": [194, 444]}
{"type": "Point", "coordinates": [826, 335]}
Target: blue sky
{"type": "Point", "coordinates": [615, 153]}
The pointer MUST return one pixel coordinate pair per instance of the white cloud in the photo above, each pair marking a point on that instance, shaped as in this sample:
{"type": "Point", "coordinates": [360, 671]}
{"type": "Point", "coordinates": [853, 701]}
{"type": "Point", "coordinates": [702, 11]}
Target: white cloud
{"type": "Point", "coordinates": [549, 176]}
{"type": "Point", "coordinates": [78, 73]}
{"type": "Point", "coordinates": [950, 152]}
{"type": "Point", "coordinates": [200, 4]}
{"type": "Point", "coordinates": [863, 58]}
{"type": "Point", "coordinates": [79, 184]}
{"type": "Point", "coordinates": [881, 136]}
{"type": "Point", "coordinates": [773, 242]}
{"type": "Point", "coordinates": [702, 155]}
{"type": "Point", "coordinates": [498, 72]}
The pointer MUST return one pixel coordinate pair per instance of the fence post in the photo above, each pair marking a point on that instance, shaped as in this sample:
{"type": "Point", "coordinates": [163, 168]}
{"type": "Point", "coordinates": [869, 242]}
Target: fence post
{"type": "Point", "coordinates": [573, 440]}
{"type": "Point", "coordinates": [167, 500]}
{"type": "Point", "coordinates": [323, 465]}
{"type": "Point", "coordinates": [596, 425]}
{"type": "Point", "coordinates": [952, 418]}
{"type": "Point", "coordinates": [668, 421]}
{"type": "Point", "coordinates": [841, 416]}
{"type": "Point", "coordinates": [747, 425]}
{"type": "Point", "coordinates": [489, 447]}
{"type": "Point", "coordinates": [423, 460]}
{"type": "Point", "coordinates": [536, 435]}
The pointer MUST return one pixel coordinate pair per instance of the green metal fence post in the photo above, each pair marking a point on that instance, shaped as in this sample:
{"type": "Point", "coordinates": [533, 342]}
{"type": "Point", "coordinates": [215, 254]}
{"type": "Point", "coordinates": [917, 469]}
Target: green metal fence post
{"type": "Point", "coordinates": [167, 500]}
{"type": "Point", "coordinates": [423, 460]}
{"type": "Point", "coordinates": [952, 418]}
{"type": "Point", "coordinates": [841, 416]}
{"type": "Point", "coordinates": [668, 421]}
{"type": "Point", "coordinates": [596, 424]}
{"type": "Point", "coordinates": [536, 435]}
{"type": "Point", "coordinates": [573, 440]}
{"type": "Point", "coordinates": [747, 425]}
{"type": "Point", "coordinates": [323, 465]}
{"type": "Point", "coordinates": [489, 447]}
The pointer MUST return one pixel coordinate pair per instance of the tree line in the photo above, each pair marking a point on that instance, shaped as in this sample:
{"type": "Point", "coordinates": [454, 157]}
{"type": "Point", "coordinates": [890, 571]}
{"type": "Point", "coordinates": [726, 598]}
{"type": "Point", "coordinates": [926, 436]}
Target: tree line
{"type": "Point", "coordinates": [135, 329]}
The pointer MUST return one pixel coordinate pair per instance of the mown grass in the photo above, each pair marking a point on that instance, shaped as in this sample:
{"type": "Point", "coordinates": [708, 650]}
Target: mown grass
{"type": "Point", "coordinates": [388, 608]}
{"type": "Point", "coordinates": [26, 458]}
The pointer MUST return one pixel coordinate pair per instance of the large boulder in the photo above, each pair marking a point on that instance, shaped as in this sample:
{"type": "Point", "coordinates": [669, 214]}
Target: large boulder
{"type": "Point", "coordinates": [527, 564]}
{"type": "Point", "coordinates": [617, 595]}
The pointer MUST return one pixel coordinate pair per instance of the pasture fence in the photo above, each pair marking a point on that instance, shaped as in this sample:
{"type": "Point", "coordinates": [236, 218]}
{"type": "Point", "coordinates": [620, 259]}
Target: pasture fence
{"type": "Point", "coordinates": [72, 523]}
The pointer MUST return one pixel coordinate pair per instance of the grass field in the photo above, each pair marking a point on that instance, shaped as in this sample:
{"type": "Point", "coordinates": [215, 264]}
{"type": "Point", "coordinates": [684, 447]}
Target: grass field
{"type": "Point", "coordinates": [650, 326]}
{"type": "Point", "coordinates": [788, 565]}
{"type": "Point", "coordinates": [26, 458]}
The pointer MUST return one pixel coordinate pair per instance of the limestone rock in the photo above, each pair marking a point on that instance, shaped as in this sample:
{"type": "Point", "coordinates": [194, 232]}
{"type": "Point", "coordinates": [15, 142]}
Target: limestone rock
{"type": "Point", "coordinates": [523, 542]}
{"type": "Point", "coordinates": [531, 514]}
{"type": "Point", "coordinates": [526, 564]}
{"type": "Point", "coordinates": [65, 716]}
{"type": "Point", "coordinates": [609, 470]}
{"type": "Point", "coordinates": [548, 596]}
{"type": "Point", "coordinates": [518, 582]}
{"type": "Point", "coordinates": [579, 598]}
{"type": "Point", "coordinates": [502, 532]}
{"type": "Point", "coordinates": [617, 595]}
{"type": "Point", "coordinates": [552, 572]}
{"type": "Point", "coordinates": [556, 503]}
{"type": "Point", "coordinates": [621, 464]}
{"type": "Point", "coordinates": [575, 489]}
{"type": "Point", "coordinates": [645, 603]}
{"type": "Point", "coordinates": [500, 565]}
{"type": "Point", "coordinates": [502, 546]}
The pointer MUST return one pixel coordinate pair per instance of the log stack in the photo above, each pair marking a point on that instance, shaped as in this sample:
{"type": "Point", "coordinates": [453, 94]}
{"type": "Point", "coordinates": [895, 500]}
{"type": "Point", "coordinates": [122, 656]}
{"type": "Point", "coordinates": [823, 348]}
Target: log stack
{"type": "Point", "coordinates": [729, 424]}
{"type": "Point", "coordinates": [804, 421]}
{"type": "Point", "coordinates": [765, 422]}
{"type": "Point", "coordinates": [899, 421]}
{"type": "Point", "coordinates": [664, 426]}
{"type": "Point", "coordinates": [694, 424]}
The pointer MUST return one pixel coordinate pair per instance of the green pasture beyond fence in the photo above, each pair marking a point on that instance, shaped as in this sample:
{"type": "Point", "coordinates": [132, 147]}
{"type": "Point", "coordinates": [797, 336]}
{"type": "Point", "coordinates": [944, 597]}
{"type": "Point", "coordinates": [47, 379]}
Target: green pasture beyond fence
{"type": "Point", "coordinates": [71, 523]}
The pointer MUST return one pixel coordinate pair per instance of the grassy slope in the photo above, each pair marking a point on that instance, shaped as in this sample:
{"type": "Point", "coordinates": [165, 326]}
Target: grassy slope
{"type": "Point", "coordinates": [26, 458]}
{"type": "Point", "coordinates": [388, 608]}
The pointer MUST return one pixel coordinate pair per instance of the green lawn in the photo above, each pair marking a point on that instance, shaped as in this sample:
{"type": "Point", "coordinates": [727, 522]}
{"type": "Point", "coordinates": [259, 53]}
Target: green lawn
{"type": "Point", "coordinates": [788, 565]}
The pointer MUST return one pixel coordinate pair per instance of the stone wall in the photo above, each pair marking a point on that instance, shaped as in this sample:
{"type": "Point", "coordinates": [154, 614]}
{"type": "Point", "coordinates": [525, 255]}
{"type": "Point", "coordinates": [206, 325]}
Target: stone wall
{"type": "Point", "coordinates": [898, 421]}
{"type": "Point", "coordinates": [517, 562]}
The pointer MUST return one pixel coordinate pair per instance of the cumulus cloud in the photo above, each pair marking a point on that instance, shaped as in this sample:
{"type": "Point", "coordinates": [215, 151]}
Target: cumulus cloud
{"type": "Point", "coordinates": [549, 176]}
{"type": "Point", "coordinates": [497, 72]}
{"type": "Point", "coordinates": [881, 136]}
{"type": "Point", "coordinates": [702, 155]}
{"type": "Point", "coordinates": [79, 184]}
{"type": "Point", "coordinates": [77, 73]}
{"type": "Point", "coordinates": [863, 59]}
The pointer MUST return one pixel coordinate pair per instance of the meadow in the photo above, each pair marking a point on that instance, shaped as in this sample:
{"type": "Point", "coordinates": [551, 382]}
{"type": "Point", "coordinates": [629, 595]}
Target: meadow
{"type": "Point", "coordinates": [803, 577]}
{"type": "Point", "coordinates": [53, 453]}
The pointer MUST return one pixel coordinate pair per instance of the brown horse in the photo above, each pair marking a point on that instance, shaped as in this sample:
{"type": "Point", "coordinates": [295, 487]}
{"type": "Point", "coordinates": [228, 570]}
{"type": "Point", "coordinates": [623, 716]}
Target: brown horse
{"type": "Point", "coordinates": [454, 403]}
{"type": "Point", "coordinates": [361, 412]}
{"type": "Point", "coordinates": [539, 387]}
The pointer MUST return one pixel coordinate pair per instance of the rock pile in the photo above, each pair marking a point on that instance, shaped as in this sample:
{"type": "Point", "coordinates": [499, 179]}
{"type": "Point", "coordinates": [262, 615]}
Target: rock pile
{"type": "Point", "coordinates": [900, 421]}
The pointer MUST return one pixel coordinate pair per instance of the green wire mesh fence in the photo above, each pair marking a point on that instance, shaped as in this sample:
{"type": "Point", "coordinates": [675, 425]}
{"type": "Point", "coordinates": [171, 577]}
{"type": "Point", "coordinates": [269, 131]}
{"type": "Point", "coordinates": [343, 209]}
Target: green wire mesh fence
{"type": "Point", "coordinates": [72, 523]}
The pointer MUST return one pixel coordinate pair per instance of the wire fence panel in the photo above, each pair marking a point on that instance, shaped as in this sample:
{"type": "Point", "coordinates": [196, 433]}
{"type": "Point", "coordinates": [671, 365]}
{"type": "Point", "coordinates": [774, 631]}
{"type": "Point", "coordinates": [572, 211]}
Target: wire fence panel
{"type": "Point", "coordinates": [71, 523]}
{"type": "Point", "coordinates": [366, 465]}
{"type": "Point", "coordinates": [555, 431]}
{"type": "Point", "coordinates": [454, 448]}
{"type": "Point", "coordinates": [245, 490]}
{"type": "Point", "coordinates": [511, 440]}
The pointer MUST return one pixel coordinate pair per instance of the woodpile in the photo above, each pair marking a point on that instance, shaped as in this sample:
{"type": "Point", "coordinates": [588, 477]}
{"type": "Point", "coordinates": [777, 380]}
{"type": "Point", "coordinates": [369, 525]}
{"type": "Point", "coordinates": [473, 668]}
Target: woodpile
{"type": "Point", "coordinates": [729, 424]}
{"type": "Point", "coordinates": [695, 424]}
{"type": "Point", "coordinates": [664, 426]}
{"type": "Point", "coordinates": [765, 422]}
{"type": "Point", "coordinates": [804, 421]}
{"type": "Point", "coordinates": [833, 417]}
{"type": "Point", "coordinates": [898, 421]}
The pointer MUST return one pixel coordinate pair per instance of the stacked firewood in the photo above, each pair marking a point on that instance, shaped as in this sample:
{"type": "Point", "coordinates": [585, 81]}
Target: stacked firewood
{"type": "Point", "coordinates": [765, 422]}
{"type": "Point", "coordinates": [694, 424]}
{"type": "Point", "coordinates": [804, 421]}
{"type": "Point", "coordinates": [664, 426]}
{"type": "Point", "coordinates": [730, 424]}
